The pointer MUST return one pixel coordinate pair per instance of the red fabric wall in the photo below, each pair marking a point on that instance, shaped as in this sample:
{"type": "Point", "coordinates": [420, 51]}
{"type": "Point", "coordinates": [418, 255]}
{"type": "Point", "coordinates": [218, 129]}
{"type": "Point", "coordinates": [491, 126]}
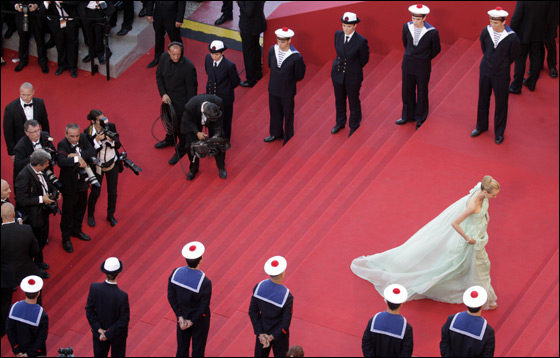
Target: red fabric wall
{"type": "Point", "coordinates": [314, 23]}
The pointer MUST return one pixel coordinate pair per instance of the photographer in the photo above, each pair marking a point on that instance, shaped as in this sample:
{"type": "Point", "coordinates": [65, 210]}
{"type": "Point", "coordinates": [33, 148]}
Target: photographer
{"type": "Point", "coordinates": [201, 111]}
{"type": "Point", "coordinates": [29, 24]}
{"type": "Point", "coordinates": [105, 139]}
{"type": "Point", "coordinates": [36, 198]}
{"type": "Point", "coordinates": [95, 13]}
{"type": "Point", "coordinates": [70, 158]}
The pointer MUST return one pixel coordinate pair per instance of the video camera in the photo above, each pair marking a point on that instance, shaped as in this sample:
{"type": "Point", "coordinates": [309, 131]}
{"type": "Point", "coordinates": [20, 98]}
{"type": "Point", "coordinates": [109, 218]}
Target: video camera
{"type": "Point", "coordinates": [209, 147]}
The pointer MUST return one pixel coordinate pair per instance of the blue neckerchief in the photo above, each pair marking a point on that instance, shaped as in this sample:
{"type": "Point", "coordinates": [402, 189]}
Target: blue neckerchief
{"type": "Point", "coordinates": [26, 312]}
{"type": "Point", "coordinates": [272, 293]}
{"type": "Point", "coordinates": [470, 326]}
{"type": "Point", "coordinates": [389, 324]}
{"type": "Point", "coordinates": [188, 278]}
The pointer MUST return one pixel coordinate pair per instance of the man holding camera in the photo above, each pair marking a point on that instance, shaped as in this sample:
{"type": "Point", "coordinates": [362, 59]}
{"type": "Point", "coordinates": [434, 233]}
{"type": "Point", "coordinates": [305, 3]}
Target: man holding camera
{"type": "Point", "coordinates": [36, 198]}
{"type": "Point", "coordinates": [202, 111]}
{"type": "Point", "coordinates": [105, 140]}
{"type": "Point", "coordinates": [70, 158]}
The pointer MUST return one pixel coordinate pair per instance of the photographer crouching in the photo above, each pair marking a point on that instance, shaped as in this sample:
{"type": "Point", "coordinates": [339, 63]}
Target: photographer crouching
{"type": "Point", "coordinates": [105, 140]}
{"type": "Point", "coordinates": [202, 111]}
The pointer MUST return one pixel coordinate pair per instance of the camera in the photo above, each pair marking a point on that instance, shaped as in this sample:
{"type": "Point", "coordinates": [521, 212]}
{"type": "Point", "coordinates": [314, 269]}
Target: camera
{"type": "Point", "coordinates": [102, 5]}
{"type": "Point", "coordinates": [209, 147]}
{"type": "Point", "coordinates": [88, 173]}
{"type": "Point", "coordinates": [53, 179]}
{"type": "Point", "coordinates": [52, 162]}
{"type": "Point", "coordinates": [66, 352]}
{"type": "Point", "coordinates": [53, 207]}
{"type": "Point", "coordinates": [25, 11]}
{"type": "Point", "coordinates": [105, 123]}
{"type": "Point", "coordinates": [129, 163]}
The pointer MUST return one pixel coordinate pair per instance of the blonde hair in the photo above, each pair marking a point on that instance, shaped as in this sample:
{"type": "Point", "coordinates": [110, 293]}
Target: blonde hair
{"type": "Point", "coordinates": [489, 184]}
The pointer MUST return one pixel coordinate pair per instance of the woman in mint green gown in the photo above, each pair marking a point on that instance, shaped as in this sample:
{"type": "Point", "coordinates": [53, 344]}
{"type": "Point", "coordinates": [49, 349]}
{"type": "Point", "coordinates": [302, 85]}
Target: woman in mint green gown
{"type": "Point", "coordinates": [442, 259]}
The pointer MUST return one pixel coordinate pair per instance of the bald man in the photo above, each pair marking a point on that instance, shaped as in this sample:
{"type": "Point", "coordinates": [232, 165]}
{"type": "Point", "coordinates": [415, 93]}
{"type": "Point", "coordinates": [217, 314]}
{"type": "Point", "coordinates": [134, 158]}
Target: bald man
{"type": "Point", "coordinates": [6, 191]}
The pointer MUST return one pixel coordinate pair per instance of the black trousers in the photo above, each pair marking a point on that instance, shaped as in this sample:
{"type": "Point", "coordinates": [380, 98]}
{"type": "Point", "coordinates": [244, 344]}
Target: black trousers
{"type": "Point", "coordinates": [112, 182]}
{"type": "Point", "coordinates": [251, 57]}
{"type": "Point", "coordinates": [117, 346]}
{"type": "Point", "coordinates": [66, 40]}
{"type": "Point", "coordinates": [551, 59]}
{"type": "Point", "coordinates": [416, 104]}
{"type": "Point", "coordinates": [227, 8]}
{"type": "Point", "coordinates": [533, 50]}
{"type": "Point", "coordinates": [162, 26]}
{"type": "Point", "coordinates": [281, 116]}
{"type": "Point", "coordinates": [500, 86]}
{"type": "Point", "coordinates": [352, 92]}
{"type": "Point", "coordinates": [73, 211]}
{"type": "Point", "coordinates": [128, 15]}
{"type": "Point", "coordinates": [279, 346]}
{"type": "Point", "coordinates": [198, 333]}
{"type": "Point", "coordinates": [95, 33]}
{"type": "Point", "coordinates": [228, 116]}
{"type": "Point", "coordinates": [6, 298]}
{"type": "Point", "coordinates": [41, 234]}
{"type": "Point", "coordinates": [36, 29]}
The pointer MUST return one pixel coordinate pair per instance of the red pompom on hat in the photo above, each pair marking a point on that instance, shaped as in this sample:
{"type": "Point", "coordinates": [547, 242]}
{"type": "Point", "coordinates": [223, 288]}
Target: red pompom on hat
{"type": "Point", "coordinates": [499, 8]}
{"type": "Point", "coordinates": [419, 6]}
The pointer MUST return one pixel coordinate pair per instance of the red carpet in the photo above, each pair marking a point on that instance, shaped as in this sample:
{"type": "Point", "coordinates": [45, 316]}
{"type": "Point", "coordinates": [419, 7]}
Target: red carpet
{"type": "Point", "coordinates": [320, 201]}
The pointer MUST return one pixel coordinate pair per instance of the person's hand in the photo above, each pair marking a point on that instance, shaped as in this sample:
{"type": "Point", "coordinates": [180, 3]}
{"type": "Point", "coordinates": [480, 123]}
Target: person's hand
{"type": "Point", "coordinates": [82, 162]}
{"type": "Point", "coordinates": [471, 241]}
{"type": "Point", "coordinates": [270, 337]}
{"type": "Point", "coordinates": [165, 99]}
{"type": "Point", "coordinates": [20, 9]}
{"type": "Point", "coordinates": [33, 7]}
{"type": "Point", "coordinates": [102, 336]}
{"type": "Point", "coordinates": [201, 136]}
{"type": "Point", "coordinates": [150, 19]}
{"type": "Point", "coordinates": [47, 200]}
{"type": "Point", "coordinates": [263, 340]}
{"type": "Point", "coordinates": [178, 24]}
{"type": "Point", "coordinates": [13, 158]}
{"type": "Point", "coordinates": [99, 137]}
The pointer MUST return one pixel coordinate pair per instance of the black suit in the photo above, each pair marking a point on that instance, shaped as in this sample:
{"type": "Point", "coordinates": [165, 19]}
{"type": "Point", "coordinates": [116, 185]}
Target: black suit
{"type": "Point", "coordinates": [416, 71]}
{"type": "Point", "coordinates": [108, 308]}
{"type": "Point", "coordinates": [282, 92]}
{"type": "Point", "coordinates": [29, 338]}
{"type": "Point", "coordinates": [74, 188]}
{"type": "Point", "coordinates": [95, 32]}
{"type": "Point", "coordinates": [166, 14]}
{"type": "Point", "coordinates": [19, 247]}
{"type": "Point", "coordinates": [222, 81]}
{"type": "Point", "coordinates": [251, 24]}
{"type": "Point", "coordinates": [14, 118]}
{"type": "Point", "coordinates": [35, 28]}
{"type": "Point", "coordinates": [191, 124]}
{"type": "Point", "coordinates": [347, 76]}
{"type": "Point", "coordinates": [24, 148]}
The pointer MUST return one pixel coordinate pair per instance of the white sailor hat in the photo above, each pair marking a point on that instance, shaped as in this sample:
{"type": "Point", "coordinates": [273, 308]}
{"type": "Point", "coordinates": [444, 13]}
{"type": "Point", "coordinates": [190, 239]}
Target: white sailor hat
{"type": "Point", "coordinates": [275, 266]}
{"type": "Point", "coordinates": [498, 12]}
{"type": "Point", "coordinates": [193, 250]}
{"type": "Point", "coordinates": [475, 297]}
{"type": "Point", "coordinates": [350, 18]}
{"type": "Point", "coordinates": [419, 9]}
{"type": "Point", "coordinates": [111, 265]}
{"type": "Point", "coordinates": [395, 293]}
{"type": "Point", "coordinates": [31, 284]}
{"type": "Point", "coordinates": [284, 33]}
{"type": "Point", "coordinates": [217, 46]}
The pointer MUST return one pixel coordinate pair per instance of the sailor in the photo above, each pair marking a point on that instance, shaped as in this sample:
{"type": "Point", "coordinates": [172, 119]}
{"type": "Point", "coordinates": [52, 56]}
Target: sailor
{"type": "Point", "coordinates": [352, 54]}
{"type": "Point", "coordinates": [467, 334]}
{"type": "Point", "coordinates": [388, 334]}
{"type": "Point", "coordinates": [501, 48]}
{"type": "Point", "coordinates": [421, 45]}
{"type": "Point", "coordinates": [286, 69]}
{"type": "Point", "coordinates": [189, 292]}
{"type": "Point", "coordinates": [222, 80]}
{"type": "Point", "coordinates": [28, 324]}
{"type": "Point", "coordinates": [271, 310]}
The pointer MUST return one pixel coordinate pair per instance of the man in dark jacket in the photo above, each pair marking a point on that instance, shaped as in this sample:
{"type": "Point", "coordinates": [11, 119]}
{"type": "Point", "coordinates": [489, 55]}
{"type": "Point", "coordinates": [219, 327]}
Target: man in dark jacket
{"type": "Point", "coordinates": [189, 292]}
{"type": "Point", "coordinates": [251, 24]}
{"type": "Point", "coordinates": [167, 17]}
{"type": "Point", "coordinates": [108, 312]}
{"type": "Point", "coordinates": [352, 54]}
{"type": "Point", "coordinates": [421, 45]}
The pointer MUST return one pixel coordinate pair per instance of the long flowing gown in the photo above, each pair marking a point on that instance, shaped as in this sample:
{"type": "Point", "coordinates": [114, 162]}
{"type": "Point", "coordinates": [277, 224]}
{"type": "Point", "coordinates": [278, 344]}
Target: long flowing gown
{"type": "Point", "coordinates": [436, 262]}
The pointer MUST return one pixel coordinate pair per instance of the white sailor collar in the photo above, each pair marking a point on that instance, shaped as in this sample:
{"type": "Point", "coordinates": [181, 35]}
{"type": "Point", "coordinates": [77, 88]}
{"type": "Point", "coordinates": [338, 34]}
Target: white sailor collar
{"type": "Point", "coordinates": [507, 31]}
{"type": "Point", "coordinates": [427, 27]}
{"type": "Point", "coordinates": [389, 324]}
{"type": "Point", "coordinates": [26, 312]}
{"type": "Point", "coordinates": [188, 278]}
{"type": "Point", "coordinates": [468, 325]}
{"type": "Point", "coordinates": [290, 52]}
{"type": "Point", "coordinates": [272, 293]}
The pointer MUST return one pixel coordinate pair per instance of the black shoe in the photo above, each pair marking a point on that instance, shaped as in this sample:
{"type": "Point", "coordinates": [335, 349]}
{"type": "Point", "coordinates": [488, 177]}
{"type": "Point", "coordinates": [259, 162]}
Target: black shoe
{"type": "Point", "coordinates": [247, 84]}
{"type": "Point", "coordinates": [86, 59]}
{"type": "Point", "coordinates": [499, 139]}
{"type": "Point", "coordinates": [80, 235]}
{"type": "Point", "coordinates": [19, 67]}
{"type": "Point", "coordinates": [9, 33]}
{"type": "Point", "coordinates": [153, 63]}
{"type": "Point", "coordinates": [91, 221]}
{"type": "Point", "coordinates": [553, 72]}
{"type": "Point", "coordinates": [476, 133]}
{"type": "Point", "coordinates": [44, 266]}
{"type": "Point", "coordinates": [352, 130]}
{"type": "Point", "coordinates": [336, 128]}
{"type": "Point", "coordinates": [401, 121]}
{"type": "Point", "coordinates": [175, 159]}
{"type": "Point", "coordinates": [123, 32]}
{"type": "Point", "coordinates": [73, 73]}
{"type": "Point", "coordinates": [271, 138]}
{"type": "Point", "coordinates": [418, 125]}
{"type": "Point", "coordinates": [67, 245]}
{"type": "Point", "coordinates": [223, 19]}
{"type": "Point", "coordinates": [102, 60]}
{"type": "Point", "coordinates": [163, 144]}
{"type": "Point", "coordinates": [514, 91]}
{"type": "Point", "coordinates": [531, 88]}
{"type": "Point", "coordinates": [50, 44]}
{"type": "Point", "coordinates": [191, 175]}
{"type": "Point", "coordinates": [223, 173]}
{"type": "Point", "coordinates": [59, 71]}
{"type": "Point", "coordinates": [111, 219]}
{"type": "Point", "coordinates": [45, 69]}
{"type": "Point", "coordinates": [143, 12]}
{"type": "Point", "coordinates": [43, 274]}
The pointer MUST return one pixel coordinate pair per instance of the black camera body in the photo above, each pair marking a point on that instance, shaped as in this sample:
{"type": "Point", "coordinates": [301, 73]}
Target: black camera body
{"type": "Point", "coordinates": [123, 158]}
{"type": "Point", "coordinates": [66, 352]}
{"type": "Point", "coordinates": [106, 130]}
{"type": "Point", "coordinates": [53, 207]}
{"type": "Point", "coordinates": [25, 11]}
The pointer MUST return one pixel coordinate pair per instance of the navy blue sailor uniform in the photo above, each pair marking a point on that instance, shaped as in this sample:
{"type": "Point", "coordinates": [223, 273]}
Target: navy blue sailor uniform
{"type": "Point", "coordinates": [495, 76]}
{"type": "Point", "coordinates": [465, 335]}
{"type": "Point", "coordinates": [347, 76]}
{"type": "Point", "coordinates": [189, 292]}
{"type": "Point", "coordinates": [271, 311]}
{"type": "Point", "coordinates": [222, 80]}
{"type": "Point", "coordinates": [419, 50]}
{"type": "Point", "coordinates": [27, 329]}
{"type": "Point", "coordinates": [387, 335]}
{"type": "Point", "coordinates": [284, 74]}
